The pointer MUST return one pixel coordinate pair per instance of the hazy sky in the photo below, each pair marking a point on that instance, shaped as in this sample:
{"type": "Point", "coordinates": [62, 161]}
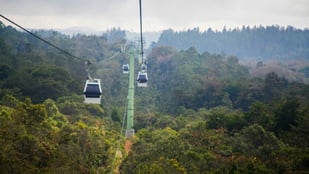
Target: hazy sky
{"type": "Point", "coordinates": [157, 14]}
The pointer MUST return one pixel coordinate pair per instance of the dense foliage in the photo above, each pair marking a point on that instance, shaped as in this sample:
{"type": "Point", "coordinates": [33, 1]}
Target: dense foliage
{"type": "Point", "coordinates": [38, 138]}
{"type": "Point", "coordinates": [202, 112]}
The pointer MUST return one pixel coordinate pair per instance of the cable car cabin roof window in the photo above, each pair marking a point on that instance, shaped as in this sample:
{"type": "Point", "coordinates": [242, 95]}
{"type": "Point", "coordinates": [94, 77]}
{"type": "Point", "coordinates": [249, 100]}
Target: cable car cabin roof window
{"type": "Point", "coordinates": [92, 90]}
{"type": "Point", "coordinates": [126, 68]}
{"type": "Point", "coordinates": [142, 78]}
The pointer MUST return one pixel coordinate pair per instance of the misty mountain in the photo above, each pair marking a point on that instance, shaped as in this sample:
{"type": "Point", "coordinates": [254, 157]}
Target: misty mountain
{"type": "Point", "coordinates": [79, 30]}
{"type": "Point", "coordinates": [257, 42]}
{"type": "Point", "coordinates": [148, 37]}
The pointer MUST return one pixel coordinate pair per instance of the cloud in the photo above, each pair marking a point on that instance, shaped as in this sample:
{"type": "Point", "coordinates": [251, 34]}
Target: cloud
{"type": "Point", "coordinates": [58, 7]}
{"type": "Point", "coordinates": [157, 14]}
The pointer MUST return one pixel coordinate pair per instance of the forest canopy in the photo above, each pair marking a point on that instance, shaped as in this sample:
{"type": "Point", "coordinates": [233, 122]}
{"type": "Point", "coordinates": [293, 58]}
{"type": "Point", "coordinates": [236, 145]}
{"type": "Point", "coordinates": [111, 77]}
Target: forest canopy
{"type": "Point", "coordinates": [203, 112]}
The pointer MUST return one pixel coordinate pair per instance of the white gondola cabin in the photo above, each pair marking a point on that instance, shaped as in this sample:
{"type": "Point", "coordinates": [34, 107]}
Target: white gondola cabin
{"type": "Point", "coordinates": [142, 79]}
{"type": "Point", "coordinates": [93, 91]}
{"type": "Point", "coordinates": [125, 69]}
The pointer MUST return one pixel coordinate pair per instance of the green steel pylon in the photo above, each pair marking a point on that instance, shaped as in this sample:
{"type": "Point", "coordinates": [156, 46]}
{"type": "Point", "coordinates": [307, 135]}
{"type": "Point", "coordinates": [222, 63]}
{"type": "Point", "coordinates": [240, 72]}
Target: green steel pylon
{"type": "Point", "coordinates": [130, 108]}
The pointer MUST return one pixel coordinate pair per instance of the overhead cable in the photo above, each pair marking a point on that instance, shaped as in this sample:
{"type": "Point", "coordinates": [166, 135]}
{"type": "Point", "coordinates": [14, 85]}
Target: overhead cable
{"type": "Point", "coordinates": [40, 38]}
{"type": "Point", "coordinates": [141, 29]}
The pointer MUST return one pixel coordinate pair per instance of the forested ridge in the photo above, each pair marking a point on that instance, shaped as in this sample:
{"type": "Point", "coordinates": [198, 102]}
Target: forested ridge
{"type": "Point", "coordinates": [258, 42]}
{"type": "Point", "coordinates": [203, 112]}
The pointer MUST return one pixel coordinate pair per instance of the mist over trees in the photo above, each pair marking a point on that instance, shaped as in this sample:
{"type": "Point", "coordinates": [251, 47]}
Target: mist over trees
{"type": "Point", "coordinates": [203, 112]}
{"type": "Point", "coordinates": [258, 42]}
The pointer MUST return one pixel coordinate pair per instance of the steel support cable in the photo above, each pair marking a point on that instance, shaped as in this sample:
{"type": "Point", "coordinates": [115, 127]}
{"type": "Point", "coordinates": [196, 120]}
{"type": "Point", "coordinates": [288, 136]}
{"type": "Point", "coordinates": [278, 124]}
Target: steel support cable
{"type": "Point", "coordinates": [40, 38]}
{"type": "Point", "coordinates": [51, 44]}
{"type": "Point", "coordinates": [119, 140]}
{"type": "Point", "coordinates": [141, 29]}
{"type": "Point", "coordinates": [111, 57]}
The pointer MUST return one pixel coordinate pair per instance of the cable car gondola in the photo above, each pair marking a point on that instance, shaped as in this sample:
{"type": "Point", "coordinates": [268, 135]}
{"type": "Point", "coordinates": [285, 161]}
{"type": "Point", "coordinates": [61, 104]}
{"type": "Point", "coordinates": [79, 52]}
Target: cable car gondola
{"type": "Point", "coordinates": [125, 69]}
{"type": "Point", "coordinates": [93, 91]}
{"type": "Point", "coordinates": [142, 79]}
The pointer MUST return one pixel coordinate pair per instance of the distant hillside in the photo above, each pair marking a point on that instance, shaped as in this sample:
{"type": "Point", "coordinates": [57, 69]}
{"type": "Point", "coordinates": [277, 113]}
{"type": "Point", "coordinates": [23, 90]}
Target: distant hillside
{"type": "Point", "coordinates": [258, 42]}
{"type": "Point", "coordinates": [79, 30]}
{"type": "Point", "coordinates": [293, 70]}
{"type": "Point", "coordinates": [149, 37]}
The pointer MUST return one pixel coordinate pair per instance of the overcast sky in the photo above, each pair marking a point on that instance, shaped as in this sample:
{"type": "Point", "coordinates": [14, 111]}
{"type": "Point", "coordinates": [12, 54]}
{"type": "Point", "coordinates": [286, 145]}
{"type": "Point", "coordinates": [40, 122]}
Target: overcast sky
{"type": "Point", "coordinates": [158, 15]}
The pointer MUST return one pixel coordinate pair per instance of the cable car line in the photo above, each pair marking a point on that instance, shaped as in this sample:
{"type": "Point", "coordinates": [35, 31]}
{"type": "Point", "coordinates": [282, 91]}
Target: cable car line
{"type": "Point", "coordinates": [53, 45]}
{"type": "Point", "coordinates": [142, 76]}
{"type": "Point", "coordinates": [141, 30]}
{"type": "Point", "coordinates": [118, 153]}
{"type": "Point", "coordinates": [40, 38]}
{"type": "Point", "coordinates": [111, 56]}
{"type": "Point", "coordinates": [92, 90]}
